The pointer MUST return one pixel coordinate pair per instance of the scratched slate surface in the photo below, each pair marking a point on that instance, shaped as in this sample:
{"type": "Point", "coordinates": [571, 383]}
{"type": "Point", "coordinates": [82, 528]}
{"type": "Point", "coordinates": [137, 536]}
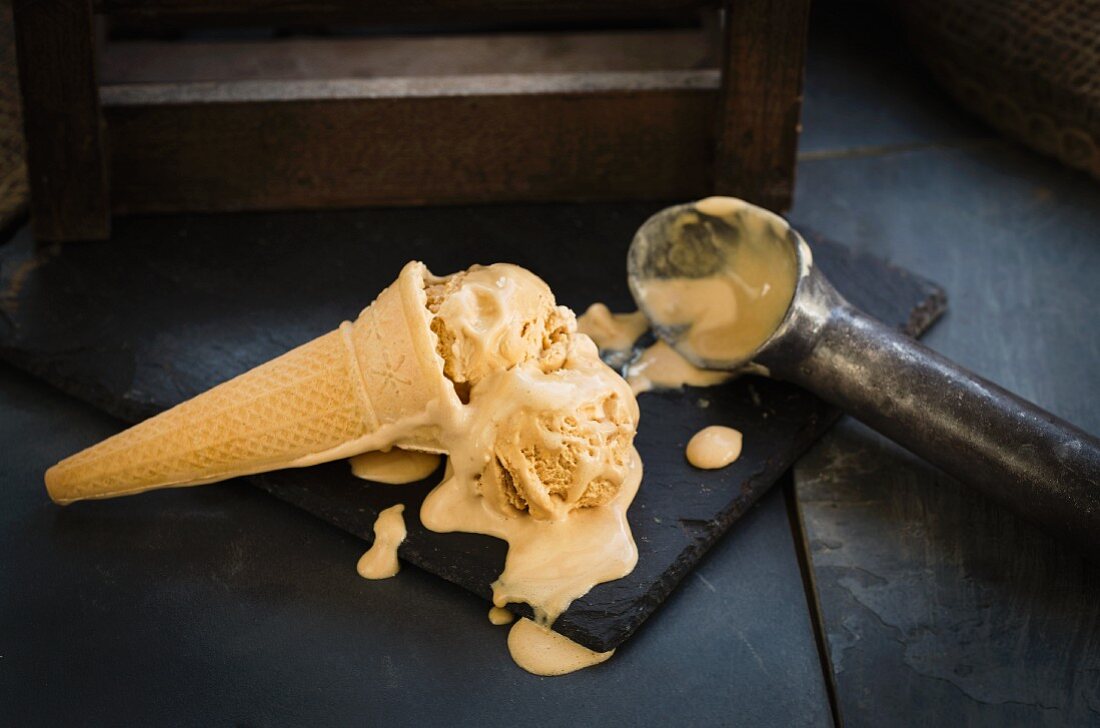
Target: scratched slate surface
{"type": "Point", "coordinates": [170, 307]}
{"type": "Point", "coordinates": [936, 598]}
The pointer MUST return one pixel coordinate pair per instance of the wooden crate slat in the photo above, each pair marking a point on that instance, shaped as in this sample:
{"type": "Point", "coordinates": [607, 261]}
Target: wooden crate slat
{"type": "Point", "coordinates": [761, 100]}
{"type": "Point", "coordinates": [272, 145]}
{"type": "Point", "coordinates": [309, 58]}
{"type": "Point", "coordinates": [66, 162]}
{"type": "Point", "coordinates": [575, 133]}
{"type": "Point", "coordinates": [434, 12]}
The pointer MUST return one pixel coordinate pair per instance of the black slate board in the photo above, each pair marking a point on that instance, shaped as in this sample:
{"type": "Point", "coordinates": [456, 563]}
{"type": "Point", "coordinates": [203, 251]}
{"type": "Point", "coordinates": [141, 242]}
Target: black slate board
{"type": "Point", "coordinates": [171, 306]}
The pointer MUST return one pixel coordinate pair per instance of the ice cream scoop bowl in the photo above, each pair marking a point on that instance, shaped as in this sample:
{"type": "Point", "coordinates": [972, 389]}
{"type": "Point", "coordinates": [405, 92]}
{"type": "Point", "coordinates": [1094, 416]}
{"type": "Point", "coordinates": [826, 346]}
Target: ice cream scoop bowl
{"type": "Point", "coordinates": [733, 286]}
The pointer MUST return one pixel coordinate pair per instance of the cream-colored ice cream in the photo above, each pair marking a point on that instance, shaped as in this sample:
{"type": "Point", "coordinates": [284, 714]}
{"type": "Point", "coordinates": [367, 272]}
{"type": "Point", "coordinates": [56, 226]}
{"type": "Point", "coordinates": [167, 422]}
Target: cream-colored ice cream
{"type": "Point", "coordinates": [714, 447]}
{"type": "Point", "coordinates": [662, 367]}
{"type": "Point", "coordinates": [566, 439]}
{"type": "Point", "coordinates": [545, 461]}
{"type": "Point", "coordinates": [725, 317]}
{"type": "Point", "coordinates": [612, 331]}
{"type": "Point", "coordinates": [541, 651]}
{"type": "Point", "coordinates": [482, 365]}
{"type": "Point", "coordinates": [394, 466]}
{"type": "Point", "coordinates": [490, 318]}
{"type": "Point", "coordinates": [567, 442]}
{"type": "Point", "coordinates": [659, 366]}
{"type": "Point", "coordinates": [380, 561]}
{"type": "Point", "coordinates": [499, 616]}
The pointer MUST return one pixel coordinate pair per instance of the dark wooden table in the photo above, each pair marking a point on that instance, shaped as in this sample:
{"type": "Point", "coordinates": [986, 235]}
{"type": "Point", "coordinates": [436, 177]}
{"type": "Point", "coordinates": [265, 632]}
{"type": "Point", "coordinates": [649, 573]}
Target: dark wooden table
{"type": "Point", "coordinates": [938, 607]}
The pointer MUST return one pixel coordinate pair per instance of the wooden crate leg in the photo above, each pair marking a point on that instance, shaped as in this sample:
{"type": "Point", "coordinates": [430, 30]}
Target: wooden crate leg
{"type": "Point", "coordinates": [761, 99]}
{"type": "Point", "coordinates": [66, 162]}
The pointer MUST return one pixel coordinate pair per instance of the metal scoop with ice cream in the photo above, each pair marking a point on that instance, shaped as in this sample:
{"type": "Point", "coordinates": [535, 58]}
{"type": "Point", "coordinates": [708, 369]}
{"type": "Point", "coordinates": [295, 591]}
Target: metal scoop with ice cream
{"type": "Point", "coordinates": [729, 285]}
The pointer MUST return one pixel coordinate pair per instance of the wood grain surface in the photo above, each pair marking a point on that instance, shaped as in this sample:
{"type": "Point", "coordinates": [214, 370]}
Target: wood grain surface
{"type": "Point", "coordinates": [66, 161]}
{"type": "Point", "coordinates": [372, 56]}
{"type": "Point", "coordinates": [433, 12]}
{"type": "Point", "coordinates": [187, 135]}
{"type": "Point", "coordinates": [272, 145]}
{"type": "Point", "coordinates": [941, 608]}
{"type": "Point", "coordinates": [761, 100]}
{"type": "Point", "coordinates": [14, 193]}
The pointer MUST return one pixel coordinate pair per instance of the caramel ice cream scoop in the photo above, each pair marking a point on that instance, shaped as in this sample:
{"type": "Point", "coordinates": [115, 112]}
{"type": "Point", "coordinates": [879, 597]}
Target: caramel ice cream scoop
{"type": "Point", "coordinates": [570, 443]}
{"type": "Point", "coordinates": [490, 318]}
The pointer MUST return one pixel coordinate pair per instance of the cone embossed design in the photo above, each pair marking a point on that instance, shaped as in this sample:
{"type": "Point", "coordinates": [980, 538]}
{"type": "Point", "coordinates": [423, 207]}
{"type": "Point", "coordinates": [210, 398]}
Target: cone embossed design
{"type": "Point", "coordinates": [330, 398]}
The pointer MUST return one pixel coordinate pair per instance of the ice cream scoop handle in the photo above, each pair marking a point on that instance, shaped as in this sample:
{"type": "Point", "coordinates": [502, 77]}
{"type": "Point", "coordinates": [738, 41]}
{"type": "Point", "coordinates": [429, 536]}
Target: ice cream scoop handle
{"type": "Point", "coordinates": [1044, 468]}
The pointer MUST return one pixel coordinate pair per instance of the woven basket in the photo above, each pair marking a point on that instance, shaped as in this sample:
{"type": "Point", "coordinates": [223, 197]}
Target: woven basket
{"type": "Point", "coordinates": [1031, 68]}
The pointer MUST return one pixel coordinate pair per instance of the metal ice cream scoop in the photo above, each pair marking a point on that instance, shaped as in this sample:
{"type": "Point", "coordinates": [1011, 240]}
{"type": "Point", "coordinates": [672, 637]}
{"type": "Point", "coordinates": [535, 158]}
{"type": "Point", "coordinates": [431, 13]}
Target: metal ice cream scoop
{"type": "Point", "coordinates": [729, 284]}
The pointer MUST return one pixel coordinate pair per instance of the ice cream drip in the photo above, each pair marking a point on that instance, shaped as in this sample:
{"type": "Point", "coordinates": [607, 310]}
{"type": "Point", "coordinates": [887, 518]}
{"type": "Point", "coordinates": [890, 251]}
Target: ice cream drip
{"type": "Point", "coordinates": [380, 561]}
{"type": "Point", "coordinates": [658, 366]}
{"type": "Point", "coordinates": [500, 616]}
{"type": "Point", "coordinates": [394, 466]}
{"type": "Point", "coordinates": [612, 331]}
{"type": "Point", "coordinates": [542, 651]}
{"type": "Point", "coordinates": [714, 447]}
{"type": "Point", "coordinates": [541, 453]}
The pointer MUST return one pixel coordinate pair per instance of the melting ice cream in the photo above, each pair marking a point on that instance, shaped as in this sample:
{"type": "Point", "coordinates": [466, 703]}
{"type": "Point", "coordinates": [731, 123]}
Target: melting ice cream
{"type": "Point", "coordinates": [714, 447]}
{"type": "Point", "coordinates": [394, 466]}
{"type": "Point", "coordinates": [658, 366]}
{"type": "Point", "coordinates": [380, 561]}
{"type": "Point", "coordinates": [481, 365]}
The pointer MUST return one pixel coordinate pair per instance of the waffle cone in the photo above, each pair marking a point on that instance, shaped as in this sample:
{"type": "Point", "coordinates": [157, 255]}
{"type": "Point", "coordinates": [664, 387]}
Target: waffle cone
{"type": "Point", "coordinates": [330, 398]}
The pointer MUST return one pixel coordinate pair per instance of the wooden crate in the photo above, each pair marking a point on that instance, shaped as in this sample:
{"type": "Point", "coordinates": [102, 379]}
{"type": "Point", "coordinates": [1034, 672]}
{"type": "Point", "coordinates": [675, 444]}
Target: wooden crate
{"type": "Point", "coordinates": [159, 126]}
